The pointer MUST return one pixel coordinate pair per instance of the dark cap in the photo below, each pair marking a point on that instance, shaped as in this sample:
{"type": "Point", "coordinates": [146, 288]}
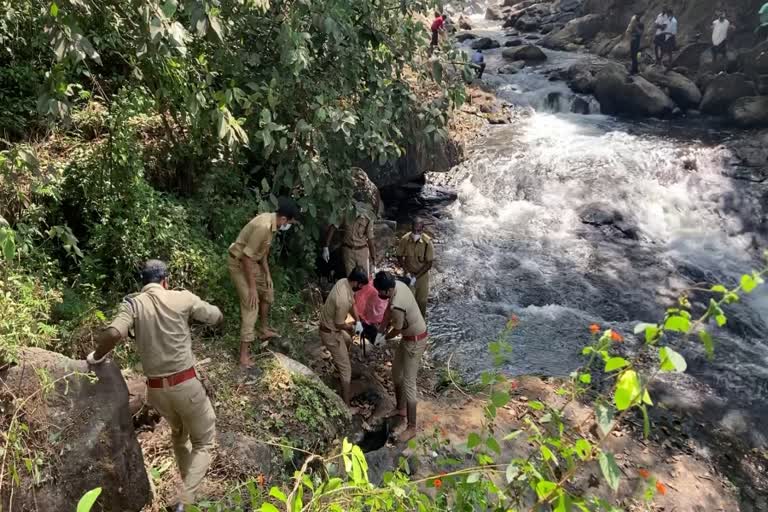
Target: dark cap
{"type": "Point", "coordinates": [383, 281]}
{"type": "Point", "coordinates": [288, 208]}
{"type": "Point", "coordinates": [154, 271]}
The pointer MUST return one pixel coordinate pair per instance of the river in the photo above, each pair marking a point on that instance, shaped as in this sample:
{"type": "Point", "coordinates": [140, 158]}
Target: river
{"type": "Point", "coordinates": [565, 220]}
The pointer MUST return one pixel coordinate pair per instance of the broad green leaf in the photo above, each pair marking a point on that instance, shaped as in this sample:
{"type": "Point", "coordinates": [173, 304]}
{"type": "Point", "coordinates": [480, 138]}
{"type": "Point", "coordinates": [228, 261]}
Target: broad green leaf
{"type": "Point", "coordinates": [671, 361]}
{"type": "Point", "coordinates": [652, 334]}
{"type": "Point", "coordinates": [546, 453]}
{"type": "Point", "coordinates": [585, 378]}
{"type": "Point", "coordinates": [536, 405]}
{"type": "Point", "coordinates": [677, 323]}
{"type": "Point", "coordinates": [610, 470]}
{"type": "Point", "coordinates": [583, 449]}
{"type": "Point", "coordinates": [627, 390]}
{"type": "Point", "coordinates": [545, 488]}
{"type": "Point", "coordinates": [169, 8]}
{"type": "Point", "coordinates": [268, 507]}
{"type": "Point", "coordinates": [493, 444]}
{"type": "Point", "coordinates": [721, 320]}
{"type": "Point", "coordinates": [709, 343]}
{"type": "Point", "coordinates": [500, 398]}
{"type": "Point", "coordinates": [718, 288]}
{"type": "Point", "coordinates": [647, 398]}
{"type": "Point", "coordinates": [88, 500]}
{"type": "Point", "coordinates": [276, 493]}
{"type": "Point", "coordinates": [641, 327]}
{"type": "Point", "coordinates": [748, 283]}
{"type": "Point", "coordinates": [562, 503]}
{"type": "Point", "coordinates": [615, 363]}
{"type": "Point", "coordinates": [587, 350]}
{"type": "Point", "coordinates": [474, 440]}
{"type": "Point", "coordinates": [54, 9]}
{"type": "Point", "coordinates": [604, 417]}
{"type": "Point", "coordinates": [473, 478]}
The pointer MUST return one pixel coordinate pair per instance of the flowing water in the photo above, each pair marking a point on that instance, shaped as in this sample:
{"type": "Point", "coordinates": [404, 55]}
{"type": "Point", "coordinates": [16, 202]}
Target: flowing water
{"type": "Point", "coordinates": [567, 220]}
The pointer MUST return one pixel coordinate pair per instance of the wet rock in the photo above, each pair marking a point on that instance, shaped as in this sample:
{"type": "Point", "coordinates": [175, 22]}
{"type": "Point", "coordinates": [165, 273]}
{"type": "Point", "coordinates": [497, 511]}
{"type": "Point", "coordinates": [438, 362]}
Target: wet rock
{"type": "Point", "coordinates": [755, 61]}
{"type": "Point", "coordinates": [512, 43]}
{"type": "Point", "coordinates": [690, 56]}
{"type": "Point", "coordinates": [385, 237]}
{"type": "Point", "coordinates": [603, 215]}
{"type": "Point", "coordinates": [619, 95]}
{"type": "Point", "coordinates": [725, 89]}
{"type": "Point", "coordinates": [762, 84]}
{"type": "Point", "coordinates": [581, 75]}
{"type": "Point", "coordinates": [466, 36]}
{"type": "Point", "coordinates": [511, 69]}
{"type": "Point", "coordinates": [580, 106]}
{"type": "Point", "coordinates": [464, 23]}
{"type": "Point", "coordinates": [548, 27]}
{"type": "Point", "coordinates": [578, 31]}
{"type": "Point", "coordinates": [750, 112]}
{"type": "Point", "coordinates": [380, 461]}
{"type": "Point", "coordinates": [527, 23]}
{"type": "Point", "coordinates": [682, 90]}
{"type": "Point", "coordinates": [532, 37]}
{"type": "Point", "coordinates": [485, 43]}
{"type": "Point", "coordinates": [528, 53]}
{"type": "Point", "coordinates": [88, 429]}
{"type": "Point", "coordinates": [566, 5]}
{"type": "Point", "coordinates": [245, 455]}
{"type": "Point", "coordinates": [493, 13]}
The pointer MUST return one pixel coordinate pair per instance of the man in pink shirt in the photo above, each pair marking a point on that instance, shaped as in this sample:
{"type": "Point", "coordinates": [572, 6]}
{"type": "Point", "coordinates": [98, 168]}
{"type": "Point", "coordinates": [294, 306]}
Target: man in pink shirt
{"type": "Point", "coordinates": [370, 309]}
{"type": "Point", "coordinates": [437, 26]}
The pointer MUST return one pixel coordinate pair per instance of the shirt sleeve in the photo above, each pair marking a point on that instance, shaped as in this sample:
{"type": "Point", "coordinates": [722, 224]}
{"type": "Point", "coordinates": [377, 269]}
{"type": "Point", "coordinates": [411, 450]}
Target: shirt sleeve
{"type": "Point", "coordinates": [343, 305]}
{"type": "Point", "coordinates": [401, 248]}
{"type": "Point", "coordinates": [369, 231]}
{"type": "Point", "coordinates": [124, 320]}
{"type": "Point", "coordinates": [397, 318]}
{"type": "Point", "coordinates": [205, 313]}
{"type": "Point", "coordinates": [257, 244]}
{"type": "Point", "coordinates": [429, 253]}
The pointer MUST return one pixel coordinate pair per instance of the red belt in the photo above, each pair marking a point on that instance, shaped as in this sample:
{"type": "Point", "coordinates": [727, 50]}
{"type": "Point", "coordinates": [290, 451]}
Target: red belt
{"type": "Point", "coordinates": [416, 338]}
{"type": "Point", "coordinates": [172, 380]}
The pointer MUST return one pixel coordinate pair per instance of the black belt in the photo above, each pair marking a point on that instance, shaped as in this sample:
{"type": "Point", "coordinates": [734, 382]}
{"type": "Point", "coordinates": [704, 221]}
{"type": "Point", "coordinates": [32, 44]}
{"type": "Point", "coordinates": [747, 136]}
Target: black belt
{"type": "Point", "coordinates": [355, 247]}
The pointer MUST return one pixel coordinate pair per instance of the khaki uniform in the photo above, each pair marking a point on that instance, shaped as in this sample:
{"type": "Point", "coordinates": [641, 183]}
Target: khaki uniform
{"type": "Point", "coordinates": [416, 254]}
{"type": "Point", "coordinates": [406, 316]}
{"type": "Point", "coordinates": [354, 250]}
{"type": "Point", "coordinates": [160, 319]}
{"type": "Point", "coordinates": [335, 311]}
{"type": "Point", "coordinates": [254, 241]}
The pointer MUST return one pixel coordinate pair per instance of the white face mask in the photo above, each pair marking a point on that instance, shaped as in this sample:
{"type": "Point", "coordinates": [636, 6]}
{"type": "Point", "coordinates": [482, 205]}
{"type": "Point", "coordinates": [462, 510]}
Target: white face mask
{"type": "Point", "coordinates": [415, 237]}
{"type": "Point", "coordinates": [285, 227]}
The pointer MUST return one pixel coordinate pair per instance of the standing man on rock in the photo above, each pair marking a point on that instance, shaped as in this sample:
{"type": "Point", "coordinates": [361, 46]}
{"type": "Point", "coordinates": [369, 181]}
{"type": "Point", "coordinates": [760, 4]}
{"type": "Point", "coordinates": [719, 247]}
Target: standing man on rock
{"type": "Point", "coordinates": [160, 320]}
{"type": "Point", "coordinates": [358, 249]}
{"type": "Point", "coordinates": [404, 319]}
{"type": "Point", "coordinates": [670, 37]}
{"type": "Point", "coordinates": [249, 270]}
{"type": "Point", "coordinates": [335, 333]}
{"type": "Point", "coordinates": [635, 32]}
{"type": "Point", "coordinates": [478, 63]}
{"type": "Point", "coordinates": [659, 39]}
{"type": "Point", "coordinates": [437, 26]}
{"type": "Point", "coordinates": [416, 254]}
{"type": "Point", "coordinates": [720, 28]}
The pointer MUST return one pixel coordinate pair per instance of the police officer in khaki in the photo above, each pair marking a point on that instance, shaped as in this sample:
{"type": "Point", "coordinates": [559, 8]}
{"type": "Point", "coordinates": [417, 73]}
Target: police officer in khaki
{"type": "Point", "coordinates": [404, 319]}
{"type": "Point", "coordinates": [416, 253]}
{"type": "Point", "coordinates": [335, 332]}
{"type": "Point", "coordinates": [160, 320]}
{"type": "Point", "coordinates": [249, 269]}
{"type": "Point", "coordinates": [357, 248]}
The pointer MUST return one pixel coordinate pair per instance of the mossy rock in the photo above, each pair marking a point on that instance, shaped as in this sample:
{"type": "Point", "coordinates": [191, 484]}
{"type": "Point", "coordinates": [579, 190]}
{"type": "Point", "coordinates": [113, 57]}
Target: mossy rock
{"type": "Point", "coordinates": [291, 402]}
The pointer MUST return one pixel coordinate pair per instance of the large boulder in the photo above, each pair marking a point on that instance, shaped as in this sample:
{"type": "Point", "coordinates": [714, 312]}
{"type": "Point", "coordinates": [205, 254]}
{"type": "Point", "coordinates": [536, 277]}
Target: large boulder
{"type": "Point", "coordinates": [485, 43]}
{"type": "Point", "coordinates": [512, 43]}
{"type": "Point", "coordinates": [682, 90]}
{"type": "Point", "coordinates": [465, 36]}
{"type": "Point", "coordinates": [511, 69]}
{"type": "Point", "coordinates": [464, 23]}
{"type": "Point", "coordinates": [723, 90]}
{"type": "Point", "coordinates": [755, 61]}
{"type": "Point", "coordinates": [493, 13]}
{"type": "Point", "coordinates": [80, 429]}
{"type": "Point", "coordinates": [528, 53]}
{"type": "Point", "coordinates": [527, 23]}
{"type": "Point", "coordinates": [690, 56]}
{"type": "Point", "coordinates": [751, 111]}
{"type": "Point", "coordinates": [578, 31]}
{"type": "Point", "coordinates": [636, 97]}
{"type": "Point", "coordinates": [566, 5]}
{"type": "Point", "coordinates": [581, 76]}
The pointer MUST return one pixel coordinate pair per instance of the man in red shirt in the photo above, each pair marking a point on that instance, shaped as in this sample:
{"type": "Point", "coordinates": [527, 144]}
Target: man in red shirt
{"type": "Point", "coordinates": [437, 26]}
{"type": "Point", "coordinates": [370, 309]}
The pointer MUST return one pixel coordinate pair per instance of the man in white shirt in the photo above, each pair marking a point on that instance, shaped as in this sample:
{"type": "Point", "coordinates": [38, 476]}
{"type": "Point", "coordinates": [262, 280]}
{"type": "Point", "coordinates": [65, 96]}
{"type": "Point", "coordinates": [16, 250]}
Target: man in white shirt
{"type": "Point", "coordinates": [658, 41]}
{"type": "Point", "coordinates": [670, 36]}
{"type": "Point", "coordinates": [720, 29]}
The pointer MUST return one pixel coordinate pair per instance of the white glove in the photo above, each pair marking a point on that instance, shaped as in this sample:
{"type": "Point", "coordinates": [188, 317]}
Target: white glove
{"type": "Point", "coordinates": [413, 280]}
{"type": "Point", "coordinates": [359, 328]}
{"type": "Point", "coordinates": [91, 359]}
{"type": "Point", "coordinates": [326, 254]}
{"type": "Point", "coordinates": [381, 340]}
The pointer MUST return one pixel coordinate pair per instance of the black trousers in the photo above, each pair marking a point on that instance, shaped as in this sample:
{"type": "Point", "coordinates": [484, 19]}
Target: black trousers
{"type": "Point", "coordinates": [479, 69]}
{"type": "Point", "coordinates": [434, 38]}
{"type": "Point", "coordinates": [634, 49]}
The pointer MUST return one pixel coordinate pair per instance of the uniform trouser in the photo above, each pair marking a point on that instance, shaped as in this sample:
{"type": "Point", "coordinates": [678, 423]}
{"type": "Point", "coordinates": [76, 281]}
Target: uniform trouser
{"type": "Point", "coordinates": [248, 315]}
{"type": "Point", "coordinates": [421, 293]}
{"type": "Point", "coordinates": [405, 368]}
{"type": "Point", "coordinates": [355, 258]}
{"type": "Point", "coordinates": [189, 412]}
{"type": "Point", "coordinates": [337, 344]}
{"type": "Point", "coordinates": [634, 49]}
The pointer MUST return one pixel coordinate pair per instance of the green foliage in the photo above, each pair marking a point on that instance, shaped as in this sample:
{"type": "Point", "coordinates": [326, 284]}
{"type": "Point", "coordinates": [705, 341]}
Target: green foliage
{"type": "Point", "coordinates": [88, 500]}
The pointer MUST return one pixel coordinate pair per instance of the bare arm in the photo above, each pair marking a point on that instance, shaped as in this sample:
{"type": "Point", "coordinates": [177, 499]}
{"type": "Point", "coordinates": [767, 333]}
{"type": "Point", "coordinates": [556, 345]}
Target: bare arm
{"type": "Point", "coordinates": [329, 235]}
{"type": "Point", "coordinates": [372, 250]}
{"type": "Point", "coordinates": [265, 269]}
{"type": "Point", "coordinates": [106, 342]}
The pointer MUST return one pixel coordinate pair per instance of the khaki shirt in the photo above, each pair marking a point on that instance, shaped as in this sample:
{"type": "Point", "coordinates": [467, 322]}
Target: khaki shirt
{"type": "Point", "coordinates": [160, 319]}
{"type": "Point", "coordinates": [406, 314]}
{"type": "Point", "coordinates": [255, 238]}
{"type": "Point", "coordinates": [337, 306]}
{"type": "Point", "coordinates": [358, 233]}
{"type": "Point", "coordinates": [416, 254]}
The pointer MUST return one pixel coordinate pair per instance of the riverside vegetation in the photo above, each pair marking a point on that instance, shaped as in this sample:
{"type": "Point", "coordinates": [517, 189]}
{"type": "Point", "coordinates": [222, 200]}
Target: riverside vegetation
{"type": "Point", "coordinates": [141, 129]}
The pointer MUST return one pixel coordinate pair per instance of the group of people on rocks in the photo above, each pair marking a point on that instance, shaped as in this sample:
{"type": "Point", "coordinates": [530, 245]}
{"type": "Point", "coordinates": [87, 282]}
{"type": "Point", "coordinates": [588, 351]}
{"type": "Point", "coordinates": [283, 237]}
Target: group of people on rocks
{"type": "Point", "coordinates": [384, 308]}
{"type": "Point", "coordinates": [665, 36]}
